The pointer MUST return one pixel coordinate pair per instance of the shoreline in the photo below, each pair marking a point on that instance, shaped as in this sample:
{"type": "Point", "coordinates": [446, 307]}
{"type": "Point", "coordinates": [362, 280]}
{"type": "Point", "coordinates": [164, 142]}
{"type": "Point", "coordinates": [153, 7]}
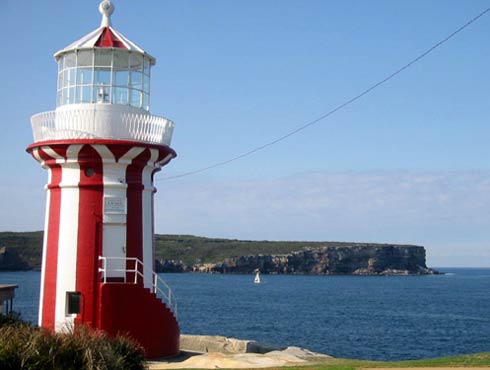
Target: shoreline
{"type": "Point", "coordinates": [210, 352]}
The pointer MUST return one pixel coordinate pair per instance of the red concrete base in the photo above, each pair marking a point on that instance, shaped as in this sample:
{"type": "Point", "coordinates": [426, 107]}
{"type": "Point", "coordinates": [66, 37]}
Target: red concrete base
{"type": "Point", "coordinates": [134, 311]}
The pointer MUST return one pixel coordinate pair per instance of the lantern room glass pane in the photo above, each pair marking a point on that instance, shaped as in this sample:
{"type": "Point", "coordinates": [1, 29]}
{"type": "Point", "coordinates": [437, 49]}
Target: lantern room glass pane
{"type": "Point", "coordinates": [146, 84]}
{"type": "Point", "coordinates": [70, 60]}
{"type": "Point", "coordinates": [68, 77]}
{"type": "Point", "coordinates": [62, 96]}
{"type": "Point", "coordinates": [71, 95]}
{"type": "Point", "coordinates": [135, 99]}
{"type": "Point", "coordinates": [120, 95]}
{"type": "Point", "coordinates": [146, 102]}
{"type": "Point", "coordinates": [72, 75]}
{"type": "Point", "coordinates": [103, 58]}
{"type": "Point", "coordinates": [136, 62]}
{"type": "Point", "coordinates": [146, 69]}
{"type": "Point", "coordinates": [84, 94]}
{"type": "Point", "coordinates": [85, 58]}
{"type": "Point", "coordinates": [84, 76]}
{"type": "Point", "coordinates": [102, 76]}
{"type": "Point", "coordinates": [121, 60]}
{"type": "Point", "coordinates": [121, 78]}
{"type": "Point", "coordinates": [136, 81]}
{"type": "Point", "coordinates": [60, 80]}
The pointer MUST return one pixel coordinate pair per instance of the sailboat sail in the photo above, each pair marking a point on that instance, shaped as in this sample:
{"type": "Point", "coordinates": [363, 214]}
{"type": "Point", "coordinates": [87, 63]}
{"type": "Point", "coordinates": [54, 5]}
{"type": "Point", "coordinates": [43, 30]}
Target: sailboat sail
{"type": "Point", "coordinates": [257, 278]}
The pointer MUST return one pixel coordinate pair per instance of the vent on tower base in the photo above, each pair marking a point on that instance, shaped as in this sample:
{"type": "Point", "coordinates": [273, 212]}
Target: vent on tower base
{"type": "Point", "coordinates": [73, 303]}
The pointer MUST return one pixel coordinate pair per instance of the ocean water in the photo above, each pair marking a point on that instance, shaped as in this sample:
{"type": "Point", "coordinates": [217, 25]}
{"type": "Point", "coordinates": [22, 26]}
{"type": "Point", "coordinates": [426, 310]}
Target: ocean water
{"type": "Point", "coordinates": [364, 317]}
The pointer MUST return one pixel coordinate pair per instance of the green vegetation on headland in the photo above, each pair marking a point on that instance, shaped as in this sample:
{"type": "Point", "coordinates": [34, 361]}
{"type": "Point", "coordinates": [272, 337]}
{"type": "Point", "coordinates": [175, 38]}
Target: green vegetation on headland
{"type": "Point", "coordinates": [27, 247]}
{"type": "Point", "coordinates": [196, 249]}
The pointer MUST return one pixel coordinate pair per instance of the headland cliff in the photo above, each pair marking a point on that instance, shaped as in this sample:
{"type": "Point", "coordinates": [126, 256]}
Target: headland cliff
{"type": "Point", "coordinates": [187, 253]}
{"type": "Point", "coordinates": [360, 259]}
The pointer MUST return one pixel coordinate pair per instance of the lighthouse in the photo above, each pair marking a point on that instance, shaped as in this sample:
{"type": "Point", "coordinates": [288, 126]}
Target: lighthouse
{"type": "Point", "coordinates": [101, 147]}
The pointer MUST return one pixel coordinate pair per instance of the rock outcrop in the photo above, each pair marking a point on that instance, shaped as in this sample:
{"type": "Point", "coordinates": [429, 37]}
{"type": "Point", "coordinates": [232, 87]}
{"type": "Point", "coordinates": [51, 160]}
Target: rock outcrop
{"type": "Point", "coordinates": [11, 261]}
{"type": "Point", "coordinates": [211, 343]}
{"type": "Point", "coordinates": [353, 260]}
{"type": "Point", "coordinates": [214, 352]}
{"type": "Point", "coordinates": [163, 265]}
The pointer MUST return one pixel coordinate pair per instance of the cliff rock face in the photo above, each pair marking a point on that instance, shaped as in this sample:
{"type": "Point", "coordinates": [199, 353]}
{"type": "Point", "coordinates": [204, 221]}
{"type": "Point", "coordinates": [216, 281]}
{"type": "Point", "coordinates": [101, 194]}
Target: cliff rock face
{"type": "Point", "coordinates": [355, 260]}
{"type": "Point", "coordinates": [163, 265]}
{"type": "Point", "coordinates": [11, 261]}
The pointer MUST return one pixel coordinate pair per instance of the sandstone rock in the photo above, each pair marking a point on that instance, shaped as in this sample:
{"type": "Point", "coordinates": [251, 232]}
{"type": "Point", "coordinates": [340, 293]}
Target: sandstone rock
{"type": "Point", "coordinates": [358, 259]}
{"type": "Point", "coordinates": [208, 343]}
{"type": "Point", "coordinates": [164, 265]}
{"type": "Point", "coordinates": [210, 352]}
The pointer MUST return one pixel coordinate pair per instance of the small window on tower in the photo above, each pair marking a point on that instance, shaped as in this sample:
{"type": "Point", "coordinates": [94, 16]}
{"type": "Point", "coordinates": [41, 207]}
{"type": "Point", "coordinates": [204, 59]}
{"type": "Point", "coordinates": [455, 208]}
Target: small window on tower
{"type": "Point", "coordinates": [73, 302]}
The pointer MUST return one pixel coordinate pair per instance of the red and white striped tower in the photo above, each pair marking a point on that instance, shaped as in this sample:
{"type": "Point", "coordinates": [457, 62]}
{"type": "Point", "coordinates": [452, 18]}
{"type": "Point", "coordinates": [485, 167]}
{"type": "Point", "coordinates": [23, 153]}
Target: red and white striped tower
{"type": "Point", "coordinates": [101, 148]}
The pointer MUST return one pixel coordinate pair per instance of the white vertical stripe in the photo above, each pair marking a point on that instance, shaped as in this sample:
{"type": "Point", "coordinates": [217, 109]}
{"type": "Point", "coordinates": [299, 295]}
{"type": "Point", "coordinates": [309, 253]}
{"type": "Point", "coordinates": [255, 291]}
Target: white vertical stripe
{"type": "Point", "coordinates": [36, 155]}
{"type": "Point", "coordinates": [68, 236]}
{"type": "Point", "coordinates": [147, 217]}
{"type": "Point", "coordinates": [45, 247]}
{"type": "Point", "coordinates": [115, 186]}
{"type": "Point", "coordinates": [114, 225]}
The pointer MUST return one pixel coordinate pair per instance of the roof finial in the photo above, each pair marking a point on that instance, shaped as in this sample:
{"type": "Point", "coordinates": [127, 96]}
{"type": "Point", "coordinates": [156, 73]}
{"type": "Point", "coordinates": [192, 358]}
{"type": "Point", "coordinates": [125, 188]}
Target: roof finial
{"type": "Point", "coordinates": [106, 8]}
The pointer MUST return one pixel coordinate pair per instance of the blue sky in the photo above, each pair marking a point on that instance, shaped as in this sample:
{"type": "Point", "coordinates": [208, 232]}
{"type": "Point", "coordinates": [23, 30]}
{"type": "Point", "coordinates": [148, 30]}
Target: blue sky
{"type": "Point", "coordinates": [408, 163]}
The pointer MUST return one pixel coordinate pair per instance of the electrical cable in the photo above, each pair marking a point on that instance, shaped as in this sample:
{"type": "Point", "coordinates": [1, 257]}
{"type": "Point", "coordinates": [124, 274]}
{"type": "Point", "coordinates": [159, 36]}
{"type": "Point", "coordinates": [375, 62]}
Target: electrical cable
{"type": "Point", "coordinates": [336, 109]}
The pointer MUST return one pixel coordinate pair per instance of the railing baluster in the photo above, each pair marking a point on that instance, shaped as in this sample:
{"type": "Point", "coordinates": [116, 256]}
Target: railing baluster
{"type": "Point", "coordinates": [135, 271]}
{"type": "Point", "coordinates": [83, 123]}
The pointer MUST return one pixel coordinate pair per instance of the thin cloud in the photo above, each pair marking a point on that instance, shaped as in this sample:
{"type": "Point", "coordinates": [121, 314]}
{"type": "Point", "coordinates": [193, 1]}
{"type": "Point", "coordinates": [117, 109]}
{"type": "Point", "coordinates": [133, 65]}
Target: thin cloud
{"type": "Point", "coordinates": [431, 208]}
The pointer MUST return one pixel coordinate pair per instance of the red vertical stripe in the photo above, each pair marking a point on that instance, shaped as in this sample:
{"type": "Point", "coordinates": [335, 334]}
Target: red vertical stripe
{"type": "Point", "coordinates": [134, 230]}
{"type": "Point", "coordinates": [89, 232]}
{"type": "Point", "coordinates": [51, 268]}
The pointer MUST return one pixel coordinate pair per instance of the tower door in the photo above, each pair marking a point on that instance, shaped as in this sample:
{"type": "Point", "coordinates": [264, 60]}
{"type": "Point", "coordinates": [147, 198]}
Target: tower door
{"type": "Point", "coordinates": [114, 247]}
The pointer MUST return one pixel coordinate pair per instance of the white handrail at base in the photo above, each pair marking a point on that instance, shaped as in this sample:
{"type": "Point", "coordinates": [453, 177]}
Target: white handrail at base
{"type": "Point", "coordinates": [156, 282]}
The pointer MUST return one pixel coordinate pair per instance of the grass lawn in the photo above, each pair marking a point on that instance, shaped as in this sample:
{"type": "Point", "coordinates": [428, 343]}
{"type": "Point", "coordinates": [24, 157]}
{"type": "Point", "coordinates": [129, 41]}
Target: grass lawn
{"type": "Point", "coordinates": [473, 360]}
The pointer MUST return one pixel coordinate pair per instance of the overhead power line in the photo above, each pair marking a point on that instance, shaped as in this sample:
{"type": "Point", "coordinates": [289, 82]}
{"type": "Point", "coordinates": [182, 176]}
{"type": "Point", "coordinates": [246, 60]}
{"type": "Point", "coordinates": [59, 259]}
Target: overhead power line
{"type": "Point", "coordinates": [334, 110]}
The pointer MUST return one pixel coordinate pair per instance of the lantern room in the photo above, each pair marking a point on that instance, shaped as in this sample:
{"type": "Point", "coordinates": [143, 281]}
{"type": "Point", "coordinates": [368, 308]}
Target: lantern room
{"type": "Point", "coordinates": [104, 67]}
{"type": "Point", "coordinates": [103, 91]}
{"type": "Point", "coordinates": [104, 75]}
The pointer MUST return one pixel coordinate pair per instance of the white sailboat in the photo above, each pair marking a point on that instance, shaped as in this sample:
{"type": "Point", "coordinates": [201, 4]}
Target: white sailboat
{"type": "Point", "coordinates": [257, 278]}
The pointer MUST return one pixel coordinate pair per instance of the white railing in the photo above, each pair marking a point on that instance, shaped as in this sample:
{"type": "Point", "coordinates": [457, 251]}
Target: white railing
{"type": "Point", "coordinates": [158, 285]}
{"type": "Point", "coordinates": [97, 121]}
